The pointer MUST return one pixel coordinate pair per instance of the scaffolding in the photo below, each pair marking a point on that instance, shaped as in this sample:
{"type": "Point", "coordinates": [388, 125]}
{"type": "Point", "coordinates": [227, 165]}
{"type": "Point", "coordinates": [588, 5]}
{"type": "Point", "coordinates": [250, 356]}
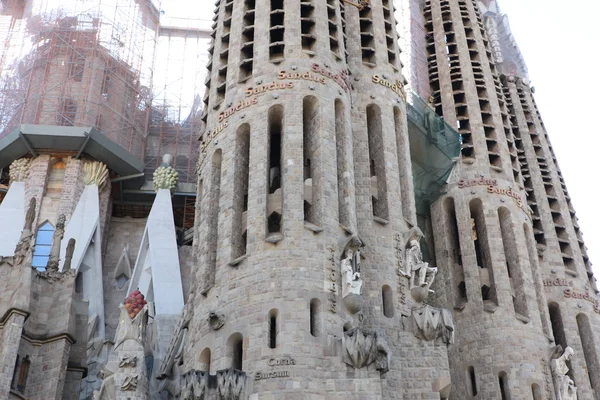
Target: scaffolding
{"type": "Point", "coordinates": [115, 65]}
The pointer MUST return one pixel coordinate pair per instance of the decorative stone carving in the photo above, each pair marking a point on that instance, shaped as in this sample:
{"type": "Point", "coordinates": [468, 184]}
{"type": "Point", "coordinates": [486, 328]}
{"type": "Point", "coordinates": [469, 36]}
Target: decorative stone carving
{"type": "Point", "coordinates": [231, 384]}
{"type": "Point", "coordinates": [564, 386]}
{"type": "Point", "coordinates": [216, 321]}
{"type": "Point", "coordinates": [19, 170]}
{"type": "Point", "coordinates": [59, 232]}
{"type": "Point", "coordinates": [362, 348]}
{"type": "Point", "coordinates": [430, 323]}
{"type": "Point", "coordinates": [129, 383]}
{"type": "Point", "coordinates": [128, 361]}
{"type": "Point", "coordinates": [194, 385]}
{"type": "Point", "coordinates": [95, 173]}
{"type": "Point", "coordinates": [165, 176]}
{"type": "Point", "coordinates": [69, 255]}
{"type": "Point", "coordinates": [351, 274]}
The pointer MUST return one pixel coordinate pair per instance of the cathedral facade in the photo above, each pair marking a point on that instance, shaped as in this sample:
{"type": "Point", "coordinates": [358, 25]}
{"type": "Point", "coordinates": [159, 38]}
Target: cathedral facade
{"type": "Point", "coordinates": [375, 216]}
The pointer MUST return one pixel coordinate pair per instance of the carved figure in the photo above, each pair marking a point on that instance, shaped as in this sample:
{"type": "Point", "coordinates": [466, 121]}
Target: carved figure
{"type": "Point", "coordinates": [361, 348]}
{"type": "Point", "coordinates": [419, 272]}
{"type": "Point", "coordinates": [563, 384]}
{"type": "Point", "coordinates": [69, 255]}
{"type": "Point", "coordinates": [59, 232]}
{"type": "Point", "coordinates": [216, 321]}
{"type": "Point", "coordinates": [194, 385]}
{"type": "Point", "coordinates": [352, 282]}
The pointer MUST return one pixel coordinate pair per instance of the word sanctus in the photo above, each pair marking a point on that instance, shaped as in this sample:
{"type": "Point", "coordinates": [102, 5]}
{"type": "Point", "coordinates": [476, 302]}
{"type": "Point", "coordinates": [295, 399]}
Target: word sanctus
{"type": "Point", "coordinates": [395, 87]}
{"type": "Point", "coordinates": [463, 183]}
{"type": "Point", "coordinates": [573, 294]}
{"type": "Point", "coordinates": [341, 78]}
{"type": "Point", "coordinates": [268, 375]}
{"type": "Point", "coordinates": [510, 193]}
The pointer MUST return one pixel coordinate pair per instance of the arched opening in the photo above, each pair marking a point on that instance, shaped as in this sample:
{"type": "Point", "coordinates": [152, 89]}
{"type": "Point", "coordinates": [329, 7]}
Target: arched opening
{"type": "Point", "coordinates": [590, 354]}
{"type": "Point", "coordinates": [535, 267]}
{"type": "Point", "coordinates": [274, 177]}
{"type": "Point", "coordinates": [341, 143]}
{"type": "Point", "coordinates": [240, 192]}
{"type": "Point", "coordinates": [503, 384]}
{"type": "Point", "coordinates": [273, 328]}
{"type": "Point", "coordinates": [315, 317]}
{"type": "Point", "coordinates": [311, 149]}
{"type": "Point", "coordinates": [536, 392]}
{"type": "Point", "coordinates": [235, 351]}
{"type": "Point", "coordinates": [205, 360]}
{"type": "Point", "coordinates": [388, 301]}
{"type": "Point", "coordinates": [377, 163]}
{"type": "Point", "coordinates": [471, 381]}
{"type": "Point", "coordinates": [460, 288]}
{"type": "Point", "coordinates": [213, 219]}
{"type": "Point", "coordinates": [483, 254]}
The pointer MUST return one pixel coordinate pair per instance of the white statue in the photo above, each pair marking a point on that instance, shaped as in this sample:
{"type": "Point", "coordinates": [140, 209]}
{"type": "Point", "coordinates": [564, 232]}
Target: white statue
{"type": "Point", "coordinates": [563, 384]}
{"type": "Point", "coordinates": [352, 283]}
{"type": "Point", "coordinates": [419, 272]}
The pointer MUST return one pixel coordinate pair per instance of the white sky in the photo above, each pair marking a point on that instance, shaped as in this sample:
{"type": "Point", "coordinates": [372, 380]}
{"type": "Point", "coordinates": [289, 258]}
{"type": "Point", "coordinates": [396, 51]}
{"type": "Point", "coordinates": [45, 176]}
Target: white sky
{"type": "Point", "coordinates": [560, 44]}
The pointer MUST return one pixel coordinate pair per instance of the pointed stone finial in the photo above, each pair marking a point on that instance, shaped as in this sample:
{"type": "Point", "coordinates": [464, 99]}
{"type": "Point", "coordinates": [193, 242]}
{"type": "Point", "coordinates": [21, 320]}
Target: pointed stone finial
{"type": "Point", "coordinates": [59, 232]}
{"type": "Point", "coordinates": [69, 255]}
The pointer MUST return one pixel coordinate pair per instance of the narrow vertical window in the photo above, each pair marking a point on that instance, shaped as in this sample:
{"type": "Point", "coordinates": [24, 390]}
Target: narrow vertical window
{"type": "Point", "coordinates": [471, 381]}
{"type": "Point", "coordinates": [274, 178]}
{"type": "Point", "coordinates": [460, 288]}
{"type": "Point", "coordinates": [273, 329]}
{"type": "Point", "coordinates": [377, 162]}
{"type": "Point", "coordinates": [240, 194]}
{"type": "Point", "coordinates": [558, 330]}
{"type": "Point", "coordinates": [333, 23]}
{"type": "Point", "coordinates": [311, 151]}
{"type": "Point", "coordinates": [277, 31]}
{"type": "Point", "coordinates": [533, 261]}
{"type": "Point", "coordinates": [536, 392]}
{"type": "Point", "coordinates": [503, 384]}
{"type": "Point", "coordinates": [515, 273]}
{"type": "Point", "coordinates": [482, 251]}
{"type": "Point", "coordinates": [235, 349]}
{"type": "Point", "coordinates": [367, 36]}
{"type": "Point", "coordinates": [388, 301]}
{"type": "Point", "coordinates": [213, 220]}
{"type": "Point", "coordinates": [224, 54]}
{"type": "Point", "coordinates": [315, 315]}
{"type": "Point", "coordinates": [205, 360]}
{"type": "Point", "coordinates": [43, 243]}
{"type": "Point", "coordinates": [308, 26]}
{"type": "Point", "coordinates": [247, 46]}
{"type": "Point", "coordinates": [343, 173]}
{"type": "Point", "coordinates": [404, 164]}
{"type": "Point", "coordinates": [590, 353]}
{"type": "Point", "coordinates": [390, 32]}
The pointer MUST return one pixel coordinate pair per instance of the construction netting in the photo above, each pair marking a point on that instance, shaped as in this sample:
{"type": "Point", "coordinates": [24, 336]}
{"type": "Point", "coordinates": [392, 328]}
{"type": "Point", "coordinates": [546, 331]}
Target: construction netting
{"type": "Point", "coordinates": [110, 64]}
{"type": "Point", "coordinates": [434, 148]}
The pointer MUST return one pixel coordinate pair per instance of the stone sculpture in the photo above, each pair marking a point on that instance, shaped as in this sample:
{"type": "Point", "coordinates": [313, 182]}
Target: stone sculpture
{"type": "Point", "coordinates": [24, 246]}
{"type": "Point", "coordinates": [351, 275]}
{"type": "Point", "coordinates": [128, 361]}
{"type": "Point", "coordinates": [419, 272]}
{"type": "Point", "coordinates": [430, 323]}
{"type": "Point", "coordinates": [362, 348]}
{"type": "Point", "coordinates": [216, 321]}
{"type": "Point", "coordinates": [563, 384]}
{"type": "Point", "coordinates": [129, 383]}
{"type": "Point", "coordinates": [59, 232]}
{"type": "Point", "coordinates": [194, 385]}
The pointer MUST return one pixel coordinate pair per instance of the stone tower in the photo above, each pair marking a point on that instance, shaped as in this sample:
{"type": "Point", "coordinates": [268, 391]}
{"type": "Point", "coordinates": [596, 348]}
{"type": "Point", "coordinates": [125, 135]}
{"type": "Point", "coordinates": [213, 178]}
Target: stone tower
{"type": "Point", "coordinates": [507, 243]}
{"type": "Point", "coordinates": [305, 212]}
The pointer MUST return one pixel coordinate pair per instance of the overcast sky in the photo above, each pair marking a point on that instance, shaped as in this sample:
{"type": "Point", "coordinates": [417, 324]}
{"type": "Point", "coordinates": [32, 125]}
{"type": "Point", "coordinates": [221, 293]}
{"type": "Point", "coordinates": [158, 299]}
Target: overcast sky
{"type": "Point", "coordinates": [560, 46]}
